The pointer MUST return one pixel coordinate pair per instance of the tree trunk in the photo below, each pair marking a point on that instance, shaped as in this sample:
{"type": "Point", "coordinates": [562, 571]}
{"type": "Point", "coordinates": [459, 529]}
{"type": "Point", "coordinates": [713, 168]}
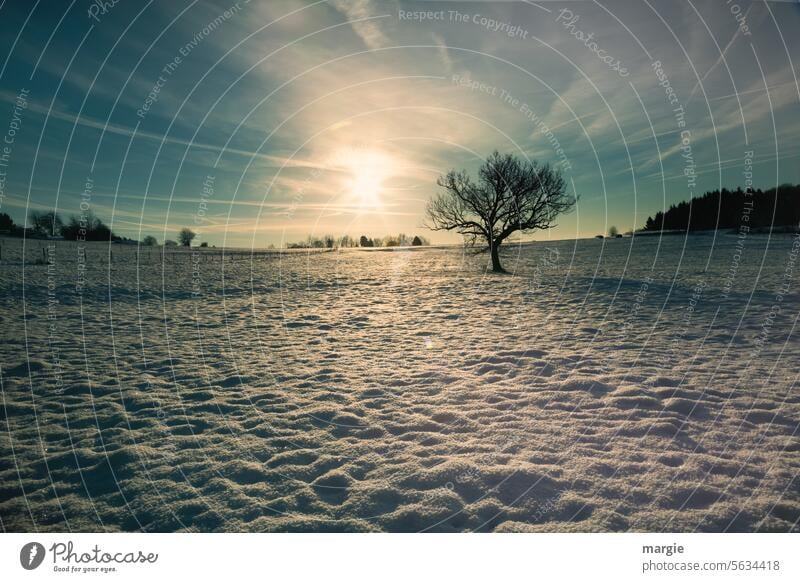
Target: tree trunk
{"type": "Point", "coordinates": [496, 266]}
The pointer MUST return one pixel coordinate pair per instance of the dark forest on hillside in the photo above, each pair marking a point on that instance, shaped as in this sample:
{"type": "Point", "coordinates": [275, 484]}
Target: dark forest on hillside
{"type": "Point", "coordinates": [777, 207]}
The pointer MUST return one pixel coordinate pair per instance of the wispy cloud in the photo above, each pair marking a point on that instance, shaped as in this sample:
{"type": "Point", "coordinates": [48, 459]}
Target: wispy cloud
{"type": "Point", "coordinates": [369, 31]}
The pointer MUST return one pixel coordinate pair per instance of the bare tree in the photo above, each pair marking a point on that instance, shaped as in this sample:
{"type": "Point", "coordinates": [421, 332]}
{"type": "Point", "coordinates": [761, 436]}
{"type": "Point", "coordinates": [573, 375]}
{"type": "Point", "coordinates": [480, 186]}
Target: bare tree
{"type": "Point", "coordinates": [509, 195]}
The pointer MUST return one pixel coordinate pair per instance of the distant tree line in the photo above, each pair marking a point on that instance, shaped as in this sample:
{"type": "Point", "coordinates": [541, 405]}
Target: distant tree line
{"type": "Point", "coordinates": [86, 227]}
{"type": "Point", "coordinates": [89, 227]}
{"type": "Point", "coordinates": [724, 209]}
{"type": "Point", "coordinates": [50, 225]}
{"type": "Point", "coordinates": [329, 241]}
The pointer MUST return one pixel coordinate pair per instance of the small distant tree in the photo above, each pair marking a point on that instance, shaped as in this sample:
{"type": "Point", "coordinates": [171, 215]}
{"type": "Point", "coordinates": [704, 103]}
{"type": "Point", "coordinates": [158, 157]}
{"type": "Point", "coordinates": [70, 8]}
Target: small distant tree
{"type": "Point", "coordinates": [45, 223]}
{"type": "Point", "coordinates": [417, 242]}
{"type": "Point", "coordinates": [150, 241]}
{"type": "Point", "coordinates": [329, 241]}
{"type": "Point", "coordinates": [87, 227]}
{"type": "Point", "coordinates": [6, 223]}
{"type": "Point", "coordinates": [509, 195]}
{"type": "Point", "coordinates": [203, 245]}
{"type": "Point", "coordinates": [613, 231]}
{"type": "Point", "coordinates": [365, 242]}
{"type": "Point", "coordinates": [186, 236]}
{"type": "Point", "coordinates": [170, 243]}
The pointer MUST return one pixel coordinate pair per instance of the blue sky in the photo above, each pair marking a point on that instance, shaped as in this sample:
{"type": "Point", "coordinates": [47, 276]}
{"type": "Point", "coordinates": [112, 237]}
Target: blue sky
{"type": "Point", "coordinates": [261, 122]}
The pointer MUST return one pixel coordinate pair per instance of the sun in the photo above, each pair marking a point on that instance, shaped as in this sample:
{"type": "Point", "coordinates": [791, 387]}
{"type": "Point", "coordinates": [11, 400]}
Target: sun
{"type": "Point", "coordinates": [366, 171]}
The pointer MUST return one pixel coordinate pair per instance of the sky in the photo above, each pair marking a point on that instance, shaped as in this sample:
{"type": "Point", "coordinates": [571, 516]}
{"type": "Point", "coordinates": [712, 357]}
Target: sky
{"type": "Point", "coordinates": [257, 123]}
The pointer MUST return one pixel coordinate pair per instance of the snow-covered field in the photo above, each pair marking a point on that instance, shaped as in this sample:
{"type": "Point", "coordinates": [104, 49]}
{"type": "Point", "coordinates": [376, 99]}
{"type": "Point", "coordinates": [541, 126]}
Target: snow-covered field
{"type": "Point", "coordinates": [616, 385]}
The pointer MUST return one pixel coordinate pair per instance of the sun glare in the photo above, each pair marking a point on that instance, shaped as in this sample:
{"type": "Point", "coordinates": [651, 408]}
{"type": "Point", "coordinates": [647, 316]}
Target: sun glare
{"type": "Point", "coordinates": [367, 170]}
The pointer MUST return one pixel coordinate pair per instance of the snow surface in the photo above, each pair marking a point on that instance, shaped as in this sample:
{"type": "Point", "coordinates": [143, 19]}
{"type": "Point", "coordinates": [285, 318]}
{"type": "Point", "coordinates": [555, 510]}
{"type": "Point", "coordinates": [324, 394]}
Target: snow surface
{"type": "Point", "coordinates": [645, 384]}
